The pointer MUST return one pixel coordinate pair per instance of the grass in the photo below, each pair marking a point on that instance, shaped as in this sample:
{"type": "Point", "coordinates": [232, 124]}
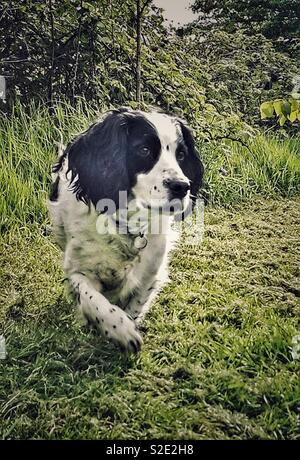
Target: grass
{"type": "Point", "coordinates": [266, 166]}
{"type": "Point", "coordinates": [28, 142]}
{"type": "Point", "coordinates": [216, 361]}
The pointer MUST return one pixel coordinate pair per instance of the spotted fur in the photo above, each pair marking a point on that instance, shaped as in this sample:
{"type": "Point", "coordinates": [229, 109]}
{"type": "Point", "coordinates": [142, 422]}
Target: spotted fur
{"type": "Point", "coordinates": [112, 280]}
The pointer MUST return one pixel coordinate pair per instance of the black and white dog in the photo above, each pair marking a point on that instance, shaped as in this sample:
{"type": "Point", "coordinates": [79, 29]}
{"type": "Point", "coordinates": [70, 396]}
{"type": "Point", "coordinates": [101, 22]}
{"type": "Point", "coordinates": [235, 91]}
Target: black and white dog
{"type": "Point", "coordinates": [113, 259]}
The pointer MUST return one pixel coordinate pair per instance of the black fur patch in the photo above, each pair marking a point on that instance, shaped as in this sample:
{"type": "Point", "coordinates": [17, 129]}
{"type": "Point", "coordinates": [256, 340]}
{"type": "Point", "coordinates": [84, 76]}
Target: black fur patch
{"type": "Point", "coordinates": [142, 134]}
{"type": "Point", "coordinates": [54, 190]}
{"type": "Point", "coordinates": [105, 159]}
{"type": "Point", "coordinates": [191, 165]}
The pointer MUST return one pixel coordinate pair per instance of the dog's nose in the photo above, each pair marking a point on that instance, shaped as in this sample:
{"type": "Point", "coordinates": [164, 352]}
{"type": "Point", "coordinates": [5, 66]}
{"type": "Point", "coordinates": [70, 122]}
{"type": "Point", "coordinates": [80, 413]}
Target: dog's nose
{"type": "Point", "coordinates": [178, 188]}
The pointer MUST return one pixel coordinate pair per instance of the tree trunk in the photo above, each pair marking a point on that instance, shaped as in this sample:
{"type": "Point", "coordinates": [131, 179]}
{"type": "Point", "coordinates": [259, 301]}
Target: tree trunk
{"type": "Point", "coordinates": [51, 72]}
{"type": "Point", "coordinates": [138, 51]}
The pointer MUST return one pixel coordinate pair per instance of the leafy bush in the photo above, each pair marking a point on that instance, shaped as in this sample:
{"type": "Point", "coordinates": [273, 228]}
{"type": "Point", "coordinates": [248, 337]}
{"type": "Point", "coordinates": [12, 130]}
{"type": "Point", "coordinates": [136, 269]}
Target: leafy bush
{"type": "Point", "coordinates": [277, 20]}
{"type": "Point", "coordinates": [239, 71]}
{"type": "Point", "coordinates": [89, 51]}
{"type": "Point", "coordinates": [283, 109]}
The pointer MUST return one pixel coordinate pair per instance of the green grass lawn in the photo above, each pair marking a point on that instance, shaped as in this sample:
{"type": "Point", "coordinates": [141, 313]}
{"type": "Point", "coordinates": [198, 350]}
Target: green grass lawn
{"type": "Point", "coordinates": [216, 361]}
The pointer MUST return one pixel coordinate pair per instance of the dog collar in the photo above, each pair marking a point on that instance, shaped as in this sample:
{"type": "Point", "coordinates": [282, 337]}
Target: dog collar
{"type": "Point", "coordinates": [140, 242]}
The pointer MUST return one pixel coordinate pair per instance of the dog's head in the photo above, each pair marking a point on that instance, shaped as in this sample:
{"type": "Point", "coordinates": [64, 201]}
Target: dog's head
{"type": "Point", "coordinates": [151, 156]}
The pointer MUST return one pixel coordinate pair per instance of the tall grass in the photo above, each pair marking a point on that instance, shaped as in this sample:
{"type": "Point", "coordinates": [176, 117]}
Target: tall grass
{"type": "Point", "coordinates": [266, 166]}
{"type": "Point", "coordinates": [28, 144]}
{"type": "Point", "coordinates": [28, 148]}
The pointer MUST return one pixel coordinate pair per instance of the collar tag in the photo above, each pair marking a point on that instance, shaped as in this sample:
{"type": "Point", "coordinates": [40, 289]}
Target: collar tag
{"type": "Point", "coordinates": [140, 242]}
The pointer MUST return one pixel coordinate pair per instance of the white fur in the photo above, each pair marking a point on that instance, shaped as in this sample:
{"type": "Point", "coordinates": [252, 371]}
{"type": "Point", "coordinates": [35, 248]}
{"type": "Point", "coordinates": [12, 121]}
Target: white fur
{"type": "Point", "coordinates": [149, 189]}
{"type": "Point", "coordinates": [113, 281]}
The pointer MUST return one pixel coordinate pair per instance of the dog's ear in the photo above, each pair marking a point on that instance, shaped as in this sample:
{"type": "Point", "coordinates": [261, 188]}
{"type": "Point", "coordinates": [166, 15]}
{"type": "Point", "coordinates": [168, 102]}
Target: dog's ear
{"type": "Point", "coordinates": [192, 166]}
{"type": "Point", "coordinates": [97, 160]}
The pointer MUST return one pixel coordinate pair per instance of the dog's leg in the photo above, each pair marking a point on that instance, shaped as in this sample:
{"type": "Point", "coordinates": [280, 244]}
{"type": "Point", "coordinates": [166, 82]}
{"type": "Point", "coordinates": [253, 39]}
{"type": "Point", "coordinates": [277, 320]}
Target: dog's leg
{"type": "Point", "coordinates": [140, 303]}
{"type": "Point", "coordinates": [113, 323]}
{"type": "Point", "coordinates": [151, 274]}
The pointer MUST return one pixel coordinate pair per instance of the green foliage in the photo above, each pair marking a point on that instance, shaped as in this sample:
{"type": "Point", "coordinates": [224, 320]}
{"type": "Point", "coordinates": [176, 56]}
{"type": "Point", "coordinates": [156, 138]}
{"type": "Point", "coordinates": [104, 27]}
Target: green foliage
{"type": "Point", "coordinates": [239, 71]}
{"type": "Point", "coordinates": [59, 50]}
{"type": "Point", "coordinates": [90, 52]}
{"type": "Point", "coordinates": [283, 109]}
{"type": "Point", "coordinates": [251, 52]}
{"type": "Point", "coordinates": [67, 48]}
{"type": "Point", "coordinates": [276, 19]}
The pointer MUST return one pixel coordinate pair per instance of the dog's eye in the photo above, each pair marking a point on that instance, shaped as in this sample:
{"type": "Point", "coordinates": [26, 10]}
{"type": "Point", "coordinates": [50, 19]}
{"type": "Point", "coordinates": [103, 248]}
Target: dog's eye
{"type": "Point", "coordinates": [144, 151]}
{"type": "Point", "coordinates": [181, 155]}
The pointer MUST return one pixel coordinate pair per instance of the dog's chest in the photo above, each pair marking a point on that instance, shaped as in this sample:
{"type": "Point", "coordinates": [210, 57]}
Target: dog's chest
{"type": "Point", "coordinates": [118, 264]}
{"type": "Point", "coordinates": [109, 258]}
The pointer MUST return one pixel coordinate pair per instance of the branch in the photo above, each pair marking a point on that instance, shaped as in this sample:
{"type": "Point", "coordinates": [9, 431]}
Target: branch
{"type": "Point", "coordinates": [15, 61]}
{"type": "Point", "coordinates": [50, 84]}
{"type": "Point", "coordinates": [147, 2]}
{"type": "Point", "coordinates": [233, 139]}
{"type": "Point", "coordinates": [77, 51]}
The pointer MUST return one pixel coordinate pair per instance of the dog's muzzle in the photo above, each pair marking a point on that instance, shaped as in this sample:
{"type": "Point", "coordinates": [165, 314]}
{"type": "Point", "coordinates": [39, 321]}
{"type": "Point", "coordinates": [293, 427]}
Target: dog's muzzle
{"type": "Point", "coordinates": [178, 189]}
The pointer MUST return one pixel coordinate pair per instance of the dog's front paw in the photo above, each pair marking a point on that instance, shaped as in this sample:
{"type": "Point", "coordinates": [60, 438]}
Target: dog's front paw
{"type": "Point", "coordinates": [123, 332]}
